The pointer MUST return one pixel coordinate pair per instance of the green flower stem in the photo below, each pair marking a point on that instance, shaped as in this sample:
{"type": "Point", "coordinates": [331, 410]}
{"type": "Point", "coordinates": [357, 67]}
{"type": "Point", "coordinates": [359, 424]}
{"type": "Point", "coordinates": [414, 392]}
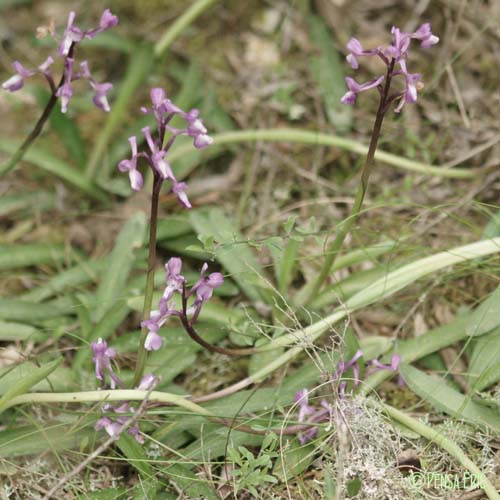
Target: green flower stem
{"type": "Point", "coordinates": [443, 442]}
{"type": "Point", "coordinates": [148, 296]}
{"type": "Point", "coordinates": [180, 24]}
{"type": "Point", "coordinates": [301, 136]}
{"type": "Point", "coordinates": [311, 290]}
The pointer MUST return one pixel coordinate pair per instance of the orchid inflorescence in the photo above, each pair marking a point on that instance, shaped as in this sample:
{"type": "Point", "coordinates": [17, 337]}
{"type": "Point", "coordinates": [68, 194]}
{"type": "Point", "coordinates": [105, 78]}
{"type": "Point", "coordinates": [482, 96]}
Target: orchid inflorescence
{"type": "Point", "coordinates": [396, 53]}
{"type": "Point", "coordinates": [103, 356]}
{"type": "Point", "coordinates": [164, 110]}
{"type": "Point", "coordinates": [310, 414]}
{"type": "Point", "coordinates": [202, 290]}
{"type": "Point", "coordinates": [72, 36]}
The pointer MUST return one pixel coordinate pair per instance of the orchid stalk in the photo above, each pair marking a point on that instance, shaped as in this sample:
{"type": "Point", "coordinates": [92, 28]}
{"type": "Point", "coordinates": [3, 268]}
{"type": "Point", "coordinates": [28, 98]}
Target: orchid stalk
{"type": "Point", "coordinates": [155, 155]}
{"type": "Point", "coordinates": [64, 89]}
{"type": "Point", "coordinates": [394, 58]}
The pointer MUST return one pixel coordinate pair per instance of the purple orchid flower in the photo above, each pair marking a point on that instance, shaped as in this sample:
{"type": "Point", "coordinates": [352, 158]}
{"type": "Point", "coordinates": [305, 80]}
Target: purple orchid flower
{"type": "Point", "coordinates": [113, 425]}
{"type": "Point", "coordinates": [175, 283]}
{"type": "Point", "coordinates": [355, 88]}
{"type": "Point", "coordinates": [395, 53]}
{"type": "Point", "coordinates": [16, 82]}
{"type": "Point", "coordinates": [158, 147]}
{"type": "Point", "coordinates": [102, 360]}
{"type": "Point", "coordinates": [71, 37]}
{"type": "Point", "coordinates": [393, 367]}
{"type": "Point", "coordinates": [356, 50]}
{"type": "Point", "coordinates": [310, 414]}
{"type": "Point", "coordinates": [130, 166]}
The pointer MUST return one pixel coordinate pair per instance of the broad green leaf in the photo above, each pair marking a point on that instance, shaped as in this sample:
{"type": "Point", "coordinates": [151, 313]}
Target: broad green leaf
{"type": "Point", "coordinates": [346, 288]}
{"type": "Point", "coordinates": [486, 316]}
{"type": "Point", "coordinates": [19, 331]}
{"type": "Point", "coordinates": [232, 251]}
{"type": "Point", "coordinates": [34, 254]}
{"type": "Point", "coordinates": [284, 264]}
{"type": "Point", "coordinates": [172, 227]}
{"type": "Point", "coordinates": [294, 459]}
{"type": "Point", "coordinates": [135, 455]}
{"type": "Point", "coordinates": [82, 274]}
{"type": "Point", "coordinates": [492, 230]}
{"type": "Point", "coordinates": [10, 203]}
{"type": "Point", "coordinates": [29, 312]}
{"type": "Point", "coordinates": [121, 259]}
{"type": "Point", "coordinates": [326, 68]}
{"type": "Point", "coordinates": [49, 163]}
{"type": "Point", "coordinates": [189, 483]}
{"type": "Point", "coordinates": [31, 440]}
{"type": "Point", "coordinates": [484, 362]}
{"type": "Point", "coordinates": [28, 381]}
{"type": "Point", "coordinates": [440, 395]}
{"type": "Point", "coordinates": [59, 380]}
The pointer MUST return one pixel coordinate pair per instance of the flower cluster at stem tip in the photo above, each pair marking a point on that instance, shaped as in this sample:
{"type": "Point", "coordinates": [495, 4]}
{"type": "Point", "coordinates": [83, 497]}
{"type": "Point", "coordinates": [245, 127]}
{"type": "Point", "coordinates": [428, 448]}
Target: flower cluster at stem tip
{"type": "Point", "coordinates": [202, 291]}
{"type": "Point", "coordinates": [164, 110]}
{"type": "Point", "coordinates": [72, 36]}
{"type": "Point", "coordinates": [396, 53]}
{"type": "Point", "coordinates": [116, 416]}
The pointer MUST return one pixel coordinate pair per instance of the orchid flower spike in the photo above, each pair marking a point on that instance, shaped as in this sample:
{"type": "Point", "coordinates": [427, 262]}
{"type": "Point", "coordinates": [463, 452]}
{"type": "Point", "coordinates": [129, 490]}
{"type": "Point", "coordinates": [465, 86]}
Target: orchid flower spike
{"type": "Point", "coordinates": [397, 53]}
{"type": "Point", "coordinates": [72, 36]}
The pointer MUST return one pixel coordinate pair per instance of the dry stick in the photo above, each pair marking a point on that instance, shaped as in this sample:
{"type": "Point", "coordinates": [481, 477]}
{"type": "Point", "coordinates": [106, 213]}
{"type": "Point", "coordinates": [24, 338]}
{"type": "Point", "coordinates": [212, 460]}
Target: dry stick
{"type": "Point", "coordinates": [101, 448]}
{"type": "Point", "coordinates": [310, 292]}
{"type": "Point", "coordinates": [148, 296]}
{"type": "Point", "coordinates": [21, 151]}
{"type": "Point", "coordinates": [209, 347]}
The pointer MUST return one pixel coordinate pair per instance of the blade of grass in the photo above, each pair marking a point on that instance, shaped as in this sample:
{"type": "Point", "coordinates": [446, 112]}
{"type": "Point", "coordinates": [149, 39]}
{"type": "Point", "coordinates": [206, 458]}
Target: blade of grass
{"type": "Point", "coordinates": [120, 262]}
{"type": "Point", "coordinates": [49, 163]}
{"type": "Point", "coordinates": [319, 139]}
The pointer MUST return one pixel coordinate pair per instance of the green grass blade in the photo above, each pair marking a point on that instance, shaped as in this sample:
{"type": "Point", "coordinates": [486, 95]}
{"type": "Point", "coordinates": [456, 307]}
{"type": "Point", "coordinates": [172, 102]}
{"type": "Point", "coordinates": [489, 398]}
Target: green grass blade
{"type": "Point", "coordinates": [121, 260]}
{"type": "Point", "coordinates": [318, 139]}
{"type": "Point", "coordinates": [53, 165]}
{"type": "Point", "coordinates": [182, 22]}
{"type": "Point", "coordinates": [28, 381]}
{"type": "Point", "coordinates": [34, 254]}
{"type": "Point", "coordinates": [231, 249]}
{"type": "Point", "coordinates": [326, 68]}
{"type": "Point", "coordinates": [440, 395]}
{"type": "Point", "coordinates": [485, 317]}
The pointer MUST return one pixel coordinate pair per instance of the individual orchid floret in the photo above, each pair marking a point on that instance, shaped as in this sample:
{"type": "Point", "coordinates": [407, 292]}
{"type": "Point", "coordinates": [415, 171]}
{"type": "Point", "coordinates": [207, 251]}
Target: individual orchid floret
{"type": "Point", "coordinates": [412, 81]}
{"type": "Point", "coordinates": [204, 289]}
{"type": "Point", "coordinates": [356, 50]}
{"type": "Point", "coordinates": [393, 367]}
{"type": "Point", "coordinates": [65, 91]}
{"type": "Point", "coordinates": [100, 98]}
{"type": "Point", "coordinates": [424, 34]}
{"type": "Point", "coordinates": [310, 414]}
{"type": "Point", "coordinates": [174, 279]}
{"type": "Point", "coordinates": [355, 88]}
{"type": "Point", "coordinates": [102, 361]}
{"type": "Point", "coordinates": [16, 82]}
{"type": "Point", "coordinates": [344, 366]}
{"type": "Point", "coordinates": [72, 36]}
{"type": "Point", "coordinates": [130, 166]}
